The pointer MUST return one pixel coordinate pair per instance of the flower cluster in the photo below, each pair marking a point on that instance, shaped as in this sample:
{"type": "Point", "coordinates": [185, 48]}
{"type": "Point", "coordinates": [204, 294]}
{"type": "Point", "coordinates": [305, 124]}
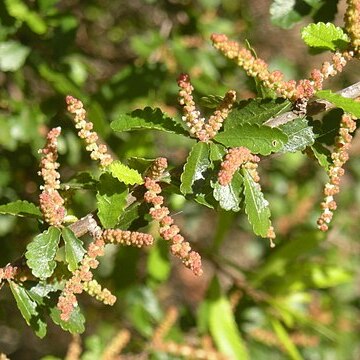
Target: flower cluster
{"type": "Point", "coordinates": [75, 285]}
{"type": "Point", "coordinates": [116, 345]}
{"type": "Point", "coordinates": [171, 347]}
{"type": "Point", "coordinates": [255, 67]}
{"type": "Point", "coordinates": [51, 202]}
{"type": "Point", "coordinates": [168, 230]}
{"type": "Point", "coordinates": [94, 289]}
{"type": "Point", "coordinates": [97, 151]}
{"type": "Point", "coordinates": [234, 159]}
{"type": "Point", "coordinates": [352, 22]}
{"type": "Point", "coordinates": [157, 168]}
{"type": "Point", "coordinates": [74, 349]}
{"type": "Point", "coordinates": [123, 237]}
{"type": "Point", "coordinates": [8, 273]}
{"type": "Point", "coordinates": [82, 278]}
{"type": "Point", "coordinates": [339, 158]}
{"type": "Point", "coordinates": [198, 127]}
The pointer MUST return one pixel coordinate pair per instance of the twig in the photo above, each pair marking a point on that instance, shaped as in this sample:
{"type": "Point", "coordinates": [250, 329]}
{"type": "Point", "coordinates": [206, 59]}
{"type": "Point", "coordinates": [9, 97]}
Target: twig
{"type": "Point", "coordinates": [314, 107]}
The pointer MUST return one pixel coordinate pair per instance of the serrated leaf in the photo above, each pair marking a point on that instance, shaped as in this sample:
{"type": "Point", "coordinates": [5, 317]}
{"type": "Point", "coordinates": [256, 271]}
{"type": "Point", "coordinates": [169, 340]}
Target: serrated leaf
{"type": "Point", "coordinates": [258, 139]}
{"type": "Point", "coordinates": [217, 152]}
{"type": "Point", "coordinates": [348, 105]}
{"type": "Point", "coordinates": [74, 250]}
{"type": "Point", "coordinates": [256, 207]}
{"type": "Point", "coordinates": [111, 200]}
{"type": "Point", "coordinates": [28, 309]}
{"type": "Point", "coordinates": [223, 328]}
{"type": "Point", "coordinates": [124, 174]}
{"type": "Point", "coordinates": [299, 133]}
{"type": "Point", "coordinates": [147, 118]}
{"type": "Point", "coordinates": [76, 323]}
{"type": "Point", "coordinates": [41, 252]}
{"type": "Point", "coordinates": [196, 164]}
{"type": "Point", "coordinates": [229, 196]}
{"type": "Point", "coordinates": [21, 208]}
{"type": "Point", "coordinates": [325, 36]}
{"type": "Point", "coordinates": [323, 155]}
{"type": "Point", "coordinates": [255, 111]}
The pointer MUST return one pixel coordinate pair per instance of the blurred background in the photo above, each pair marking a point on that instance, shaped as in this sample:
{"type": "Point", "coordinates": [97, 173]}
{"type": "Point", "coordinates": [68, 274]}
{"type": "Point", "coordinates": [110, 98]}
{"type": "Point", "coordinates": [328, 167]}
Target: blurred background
{"type": "Point", "coordinates": [117, 56]}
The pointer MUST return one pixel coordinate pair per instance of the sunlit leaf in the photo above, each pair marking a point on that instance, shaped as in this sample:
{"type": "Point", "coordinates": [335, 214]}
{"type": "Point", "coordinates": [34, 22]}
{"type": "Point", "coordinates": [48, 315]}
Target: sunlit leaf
{"type": "Point", "coordinates": [41, 253]}
{"type": "Point", "coordinates": [325, 36]}
{"type": "Point", "coordinates": [74, 250]}
{"type": "Point", "coordinates": [21, 208]}
{"type": "Point", "coordinates": [196, 164]}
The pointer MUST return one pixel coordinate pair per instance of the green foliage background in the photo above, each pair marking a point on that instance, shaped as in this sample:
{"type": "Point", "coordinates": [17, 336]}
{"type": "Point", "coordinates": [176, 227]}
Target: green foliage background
{"type": "Point", "coordinates": [117, 56]}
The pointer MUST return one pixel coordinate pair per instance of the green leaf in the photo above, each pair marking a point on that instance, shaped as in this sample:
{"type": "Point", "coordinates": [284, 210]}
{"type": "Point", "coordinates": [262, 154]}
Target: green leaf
{"type": "Point", "coordinates": [74, 250]}
{"type": "Point", "coordinates": [76, 323]}
{"type": "Point", "coordinates": [348, 105]}
{"type": "Point", "coordinates": [124, 174]}
{"type": "Point", "coordinates": [111, 200]}
{"type": "Point", "coordinates": [41, 252]}
{"type": "Point", "coordinates": [322, 154]}
{"type": "Point", "coordinates": [223, 328]}
{"type": "Point", "coordinates": [258, 139]}
{"type": "Point", "coordinates": [325, 36]}
{"type": "Point", "coordinates": [255, 111]}
{"type": "Point", "coordinates": [19, 10]}
{"type": "Point", "coordinates": [283, 13]}
{"type": "Point", "coordinates": [299, 133]}
{"type": "Point", "coordinates": [285, 340]}
{"type": "Point", "coordinates": [196, 164]}
{"type": "Point", "coordinates": [229, 196]}
{"type": "Point", "coordinates": [147, 118]}
{"type": "Point", "coordinates": [12, 55]}
{"type": "Point", "coordinates": [21, 208]}
{"type": "Point", "coordinates": [256, 207]}
{"type": "Point", "coordinates": [28, 309]}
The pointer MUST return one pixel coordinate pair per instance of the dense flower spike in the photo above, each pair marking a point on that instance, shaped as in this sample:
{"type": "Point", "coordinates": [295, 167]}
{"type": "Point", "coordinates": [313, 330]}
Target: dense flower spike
{"type": "Point", "coordinates": [82, 278]}
{"type": "Point", "coordinates": [352, 22]}
{"type": "Point", "coordinates": [168, 231]}
{"type": "Point", "coordinates": [123, 237]}
{"type": "Point", "coordinates": [94, 289]}
{"type": "Point", "coordinates": [114, 348]}
{"type": "Point", "coordinates": [74, 349]}
{"type": "Point", "coordinates": [8, 273]}
{"type": "Point", "coordinates": [234, 159]}
{"type": "Point", "coordinates": [97, 151]}
{"type": "Point", "coordinates": [171, 347]}
{"type": "Point", "coordinates": [157, 168]}
{"type": "Point", "coordinates": [51, 202]}
{"type": "Point", "coordinates": [339, 158]}
{"type": "Point", "coordinates": [304, 89]}
{"type": "Point", "coordinates": [198, 127]}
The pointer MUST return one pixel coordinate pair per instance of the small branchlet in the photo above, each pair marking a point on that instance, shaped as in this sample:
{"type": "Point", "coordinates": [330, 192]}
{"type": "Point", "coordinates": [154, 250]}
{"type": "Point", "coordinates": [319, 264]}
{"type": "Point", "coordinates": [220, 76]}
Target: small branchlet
{"type": "Point", "coordinates": [51, 202]}
{"type": "Point", "coordinates": [97, 151]}
{"type": "Point", "coordinates": [197, 125]}
{"type": "Point", "coordinates": [168, 230]}
{"type": "Point", "coordinates": [339, 157]}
